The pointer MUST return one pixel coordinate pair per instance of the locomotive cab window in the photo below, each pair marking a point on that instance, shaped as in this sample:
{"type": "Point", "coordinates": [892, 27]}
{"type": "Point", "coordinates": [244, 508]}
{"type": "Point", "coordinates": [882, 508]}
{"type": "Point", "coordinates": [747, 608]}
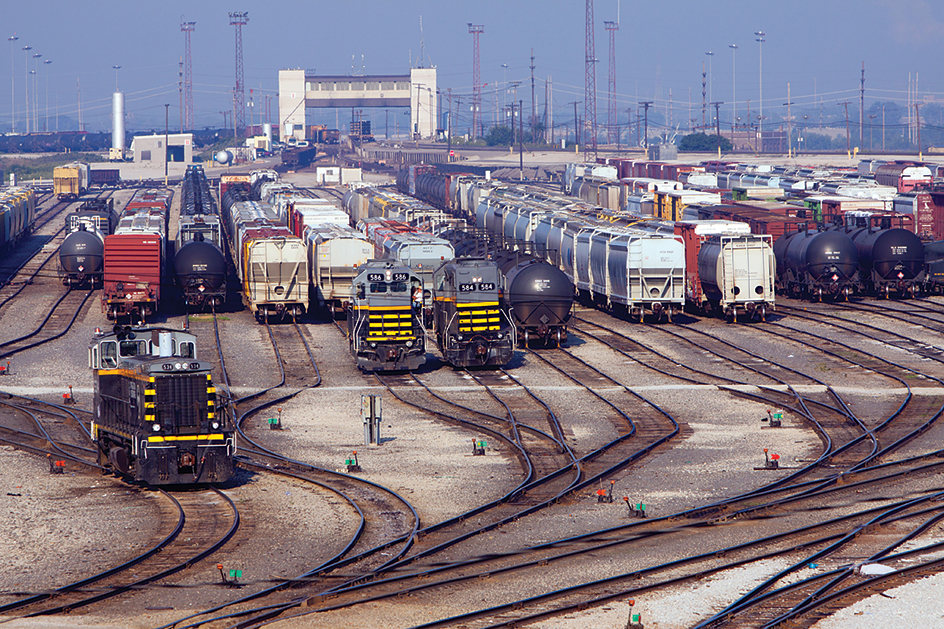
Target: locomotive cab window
{"type": "Point", "coordinates": [133, 348]}
{"type": "Point", "coordinates": [398, 287]}
{"type": "Point", "coordinates": [109, 355]}
{"type": "Point", "coordinates": [378, 287]}
{"type": "Point", "coordinates": [360, 291]}
{"type": "Point", "coordinates": [186, 350]}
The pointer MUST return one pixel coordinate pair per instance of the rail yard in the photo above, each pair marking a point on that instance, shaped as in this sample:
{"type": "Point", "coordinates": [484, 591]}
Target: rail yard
{"type": "Point", "coordinates": [680, 445]}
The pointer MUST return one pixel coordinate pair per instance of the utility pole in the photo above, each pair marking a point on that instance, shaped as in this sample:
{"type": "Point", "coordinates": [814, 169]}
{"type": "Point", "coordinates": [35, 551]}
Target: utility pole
{"type": "Point", "coordinates": [760, 40]}
{"type": "Point", "coordinates": [845, 105]}
{"type": "Point", "coordinates": [883, 128]}
{"type": "Point", "coordinates": [166, 136]}
{"type": "Point", "coordinates": [789, 121]}
{"type": "Point", "coordinates": [717, 105]}
{"type": "Point", "coordinates": [514, 127]}
{"type": "Point", "coordinates": [576, 126]}
{"type": "Point", "coordinates": [534, 114]}
{"type": "Point", "coordinates": [918, 123]}
{"type": "Point", "coordinates": [180, 91]}
{"type": "Point", "coordinates": [734, 106]}
{"type": "Point", "coordinates": [520, 141]}
{"type": "Point", "coordinates": [871, 128]}
{"type": "Point", "coordinates": [861, 105]}
{"type": "Point", "coordinates": [645, 135]}
{"type": "Point", "coordinates": [704, 97]}
{"type": "Point", "coordinates": [476, 30]}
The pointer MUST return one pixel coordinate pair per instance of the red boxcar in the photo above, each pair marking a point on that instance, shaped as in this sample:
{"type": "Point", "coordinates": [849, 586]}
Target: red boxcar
{"type": "Point", "coordinates": [132, 285]}
{"type": "Point", "coordinates": [927, 208]}
{"type": "Point", "coordinates": [764, 222]}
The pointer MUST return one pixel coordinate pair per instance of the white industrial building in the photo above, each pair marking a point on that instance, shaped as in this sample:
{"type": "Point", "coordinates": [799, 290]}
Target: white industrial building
{"type": "Point", "coordinates": [300, 90]}
{"type": "Point", "coordinates": [151, 150]}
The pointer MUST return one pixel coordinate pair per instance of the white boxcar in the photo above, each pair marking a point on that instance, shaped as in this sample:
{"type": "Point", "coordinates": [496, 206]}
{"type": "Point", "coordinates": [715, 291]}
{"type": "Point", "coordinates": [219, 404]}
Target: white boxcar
{"type": "Point", "coordinates": [334, 253]}
{"type": "Point", "coordinates": [737, 274]}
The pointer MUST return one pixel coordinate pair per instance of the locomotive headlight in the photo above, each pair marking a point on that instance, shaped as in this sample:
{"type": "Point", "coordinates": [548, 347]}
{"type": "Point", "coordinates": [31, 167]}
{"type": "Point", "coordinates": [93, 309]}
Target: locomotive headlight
{"type": "Point", "coordinates": [409, 343]}
{"type": "Point", "coordinates": [499, 335]}
{"type": "Point", "coordinates": [373, 344]}
{"type": "Point", "coordinates": [178, 366]}
{"type": "Point", "coordinates": [460, 337]}
{"type": "Point", "coordinates": [215, 425]}
{"type": "Point", "coordinates": [156, 427]}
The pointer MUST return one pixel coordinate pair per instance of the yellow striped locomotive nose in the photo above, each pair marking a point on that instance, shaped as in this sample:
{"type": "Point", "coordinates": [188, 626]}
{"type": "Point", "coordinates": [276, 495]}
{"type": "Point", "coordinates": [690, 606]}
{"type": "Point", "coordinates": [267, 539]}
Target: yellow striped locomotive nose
{"type": "Point", "coordinates": [390, 325]}
{"type": "Point", "coordinates": [478, 317]}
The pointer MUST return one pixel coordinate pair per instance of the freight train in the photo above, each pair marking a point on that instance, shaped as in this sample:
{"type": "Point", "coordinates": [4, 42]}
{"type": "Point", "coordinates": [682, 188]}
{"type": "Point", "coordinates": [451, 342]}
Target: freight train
{"type": "Point", "coordinates": [199, 262]}
{"type": "Point", "coordinates": [891, 259]}
{"type": "Point", "coordinates": [82, 253]}
{"type": "Point", "coordinates": [17, 213]}
{"type": "Point", "coordinates": [271, 261]}
{"type": "Point", "coordinates": [812, 264]}
{"type": "Point", "coordinates": [535, 295]}
{"type": "Point", "coordinates": [71, 180]}
{"type": "Point", "coordinates": [135, 256]}
{"type": "Point", "coordinates": [385, 326]}
{"type": "Point", "coordinates": [156, 419]}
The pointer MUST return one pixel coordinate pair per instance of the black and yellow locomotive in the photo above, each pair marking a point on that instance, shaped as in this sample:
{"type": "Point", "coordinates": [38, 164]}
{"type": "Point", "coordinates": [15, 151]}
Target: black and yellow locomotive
{"type": "Point", "coordinates": [470, 327]}
{"type": "Point", "coordinates": [385, 318]}
{"type": "Point", "coordinates": [155, 416]}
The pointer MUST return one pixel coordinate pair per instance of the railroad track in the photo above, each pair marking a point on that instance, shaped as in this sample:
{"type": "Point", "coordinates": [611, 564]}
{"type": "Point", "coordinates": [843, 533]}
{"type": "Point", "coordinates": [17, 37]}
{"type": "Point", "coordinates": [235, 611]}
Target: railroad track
{"type": "Point", "coordinates": [200, 522]}
{"type": "Point", "coordinates": [37, 264]}
{"type": "Point", "coordinates": [57, 322]}
{"type": "Point", "coordinates": [649, 538]}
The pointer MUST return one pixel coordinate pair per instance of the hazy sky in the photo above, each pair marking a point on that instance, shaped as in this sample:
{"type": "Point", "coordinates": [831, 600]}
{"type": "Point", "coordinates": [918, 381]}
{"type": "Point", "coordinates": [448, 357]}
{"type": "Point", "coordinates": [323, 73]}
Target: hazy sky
{"type": "Point", "coordinates": [816, 46]}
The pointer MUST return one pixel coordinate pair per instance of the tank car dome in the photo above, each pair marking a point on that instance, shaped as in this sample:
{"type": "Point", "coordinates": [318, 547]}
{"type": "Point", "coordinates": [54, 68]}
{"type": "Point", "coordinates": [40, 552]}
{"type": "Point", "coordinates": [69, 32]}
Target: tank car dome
{"type": "Point", "coordinates": [223, 157]}
{"type": "Point", "coordinates": [200, 262]}
{"type": "Point", "coordinates": [82, 252]}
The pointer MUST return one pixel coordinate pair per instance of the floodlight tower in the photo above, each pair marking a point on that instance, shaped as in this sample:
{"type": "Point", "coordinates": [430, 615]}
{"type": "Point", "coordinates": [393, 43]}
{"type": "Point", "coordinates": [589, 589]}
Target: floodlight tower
{"type": "Point", "coordinates": [476, 30]}
{"type": "Point", "coordinates": [590, 85]}
{"type": "Point", "coordinates": [187, 28]}
{"type": "Point", "coordinates": [12, 39]}
{"type": "Point", "coordinates": [239, 20]}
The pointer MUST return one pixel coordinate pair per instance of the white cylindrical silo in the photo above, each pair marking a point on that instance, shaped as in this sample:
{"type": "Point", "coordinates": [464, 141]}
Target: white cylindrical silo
{"type": "Point", "coordinates": [267, 131]}
{"type": "Point", "coordinates": [118, 121]}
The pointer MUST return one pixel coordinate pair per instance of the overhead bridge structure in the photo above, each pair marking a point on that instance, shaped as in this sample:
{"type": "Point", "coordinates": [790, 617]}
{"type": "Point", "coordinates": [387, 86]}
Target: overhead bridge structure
{"type": "Point", "coordinates": [300, 90]}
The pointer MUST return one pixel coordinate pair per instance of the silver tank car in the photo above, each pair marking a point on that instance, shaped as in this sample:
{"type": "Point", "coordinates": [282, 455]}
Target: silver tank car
{"type": "Point", "coordinates": [737, 274]}
{"type": "Point", "coordinates": [385, 325]}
